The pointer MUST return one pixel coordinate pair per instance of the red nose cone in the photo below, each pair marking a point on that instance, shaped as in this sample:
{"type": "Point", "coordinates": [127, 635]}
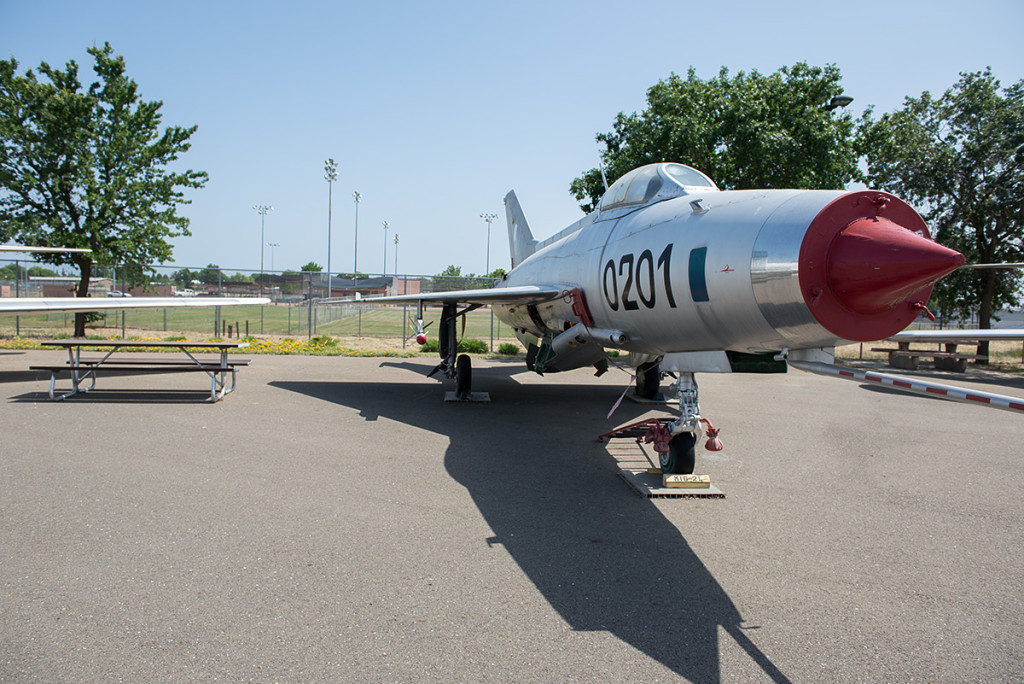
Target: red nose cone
{"type": "Point", "coordinates": [421, 339]}
{"type": "Point", "coordinates": [867, 265]}
{"type": "Point", "coordinates": [874, 264]}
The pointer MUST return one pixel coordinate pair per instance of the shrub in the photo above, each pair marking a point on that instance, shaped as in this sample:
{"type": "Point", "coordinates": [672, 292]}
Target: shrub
{"type": "Point", "coordinates": [508, 349]}
{"type": "Point", "coordinates": [473, 346]}
{"type": "Point", "coordinates": [465, 346]}
{"type": "Point", "coordinates": [323, 341]}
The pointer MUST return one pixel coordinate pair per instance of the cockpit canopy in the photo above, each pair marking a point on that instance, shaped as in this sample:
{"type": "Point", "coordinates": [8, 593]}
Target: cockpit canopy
{"type": "Point", "coordinates": [652, 183]}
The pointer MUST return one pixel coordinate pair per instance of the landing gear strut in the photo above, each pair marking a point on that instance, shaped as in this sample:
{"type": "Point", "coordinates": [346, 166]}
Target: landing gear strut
{"type": "Point", "coordinates": [681, 456]}
{"type": "Point", "coordinates": [454, 366]}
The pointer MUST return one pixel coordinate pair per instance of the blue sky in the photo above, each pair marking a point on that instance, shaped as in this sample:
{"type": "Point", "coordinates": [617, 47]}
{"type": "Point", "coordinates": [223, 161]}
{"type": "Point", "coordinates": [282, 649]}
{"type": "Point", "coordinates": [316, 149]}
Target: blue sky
{"type": "Point", "coordinates": [434, 111]}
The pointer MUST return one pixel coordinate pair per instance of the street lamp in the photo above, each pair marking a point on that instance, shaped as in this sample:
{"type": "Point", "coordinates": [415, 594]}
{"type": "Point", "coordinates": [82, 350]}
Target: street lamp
{"type": "Point", "coordinates": [272, 245]}
{"type": "Point", "coordinates": [386, 226]}
{"type": "Point", "coordinates": [837, 102]}
{"type": "Point", "coordinates": [330, 175]}
{"type": "Point", "coordinates": [357, 196]}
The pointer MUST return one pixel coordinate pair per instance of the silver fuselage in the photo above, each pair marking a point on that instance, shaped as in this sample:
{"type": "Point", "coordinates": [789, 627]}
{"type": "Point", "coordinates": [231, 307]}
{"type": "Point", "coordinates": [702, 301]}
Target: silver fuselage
{"type": "Point", "coordinates": [707, 271]}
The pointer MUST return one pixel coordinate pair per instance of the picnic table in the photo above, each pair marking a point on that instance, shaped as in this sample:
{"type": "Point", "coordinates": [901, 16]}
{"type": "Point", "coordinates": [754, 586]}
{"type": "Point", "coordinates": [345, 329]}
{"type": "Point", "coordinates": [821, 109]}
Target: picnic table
{"type": "Point", "coordinates": [948, 358]}
{"type": "Point", "coordinates": [83, 368]}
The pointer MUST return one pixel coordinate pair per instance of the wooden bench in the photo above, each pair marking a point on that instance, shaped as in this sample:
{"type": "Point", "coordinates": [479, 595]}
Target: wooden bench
{"type": "Point", "coordinates": [82, 368]}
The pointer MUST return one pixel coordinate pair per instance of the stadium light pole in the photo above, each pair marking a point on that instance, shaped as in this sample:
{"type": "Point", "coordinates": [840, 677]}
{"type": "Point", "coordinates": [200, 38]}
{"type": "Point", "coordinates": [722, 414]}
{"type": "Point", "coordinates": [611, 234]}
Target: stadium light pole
{"type": "Point", "coordinates": [272, 245]}
{"type": "Point", "coordinates": [396, 255]}
{"type": "Point", "coordinates": [489, 217]}
{"type": "Point", "coordinates": [358, 197]}
{"type": "Point", "coordinates": [330, 175]}
{"type": "Point", "coordinates": [386, 226]}
{"type": "Point", "coordinates": [263, 210]}
{"type": "Point", "coordinates": [404, 328]}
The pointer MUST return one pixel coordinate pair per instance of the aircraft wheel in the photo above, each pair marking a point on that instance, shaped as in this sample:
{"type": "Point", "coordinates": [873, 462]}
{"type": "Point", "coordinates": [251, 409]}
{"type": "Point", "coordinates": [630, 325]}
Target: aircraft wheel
{"type": "Point", "coordinates": [681, 456]}
{"type": "Point", "coordinates": [648, 378]}
{"type": "Point", "coordinates": [463, 376]}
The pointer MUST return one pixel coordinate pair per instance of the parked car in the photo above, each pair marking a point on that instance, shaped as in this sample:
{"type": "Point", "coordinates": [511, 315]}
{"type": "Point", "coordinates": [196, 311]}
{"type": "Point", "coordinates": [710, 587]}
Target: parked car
{"type": "Point", "coordinates": [117, 293]}
{"type": "Point", "coordinates": [185, 293]}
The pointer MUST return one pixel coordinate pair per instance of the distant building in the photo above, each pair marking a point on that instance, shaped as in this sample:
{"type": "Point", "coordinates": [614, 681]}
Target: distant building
{"type": "Point", "coordinates": [349, 288]}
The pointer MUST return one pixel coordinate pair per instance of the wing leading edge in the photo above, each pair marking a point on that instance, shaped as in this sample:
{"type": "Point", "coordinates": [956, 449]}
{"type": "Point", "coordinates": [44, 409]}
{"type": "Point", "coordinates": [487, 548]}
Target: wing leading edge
{"type": "Point", "coordinates": [526, 294]}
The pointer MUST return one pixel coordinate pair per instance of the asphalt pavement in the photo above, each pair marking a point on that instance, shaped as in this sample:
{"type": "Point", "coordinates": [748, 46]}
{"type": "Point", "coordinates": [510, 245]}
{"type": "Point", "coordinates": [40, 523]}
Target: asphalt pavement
{"type": "Point", "coordinates": [334, 520]}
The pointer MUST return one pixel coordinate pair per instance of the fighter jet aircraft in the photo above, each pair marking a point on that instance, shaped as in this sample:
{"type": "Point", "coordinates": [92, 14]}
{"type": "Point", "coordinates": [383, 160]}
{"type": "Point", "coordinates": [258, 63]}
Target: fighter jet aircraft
{"type": "Point", "coordinates": [687, 278]}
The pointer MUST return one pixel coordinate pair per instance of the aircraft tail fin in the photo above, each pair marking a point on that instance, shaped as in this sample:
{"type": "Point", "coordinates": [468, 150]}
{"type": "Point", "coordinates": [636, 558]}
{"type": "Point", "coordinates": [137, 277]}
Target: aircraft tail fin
{"type": "Point", "coordinates": [521, 242]}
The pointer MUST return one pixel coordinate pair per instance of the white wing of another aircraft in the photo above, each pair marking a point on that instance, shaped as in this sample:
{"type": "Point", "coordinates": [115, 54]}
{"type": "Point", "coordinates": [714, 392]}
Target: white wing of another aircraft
{"type": "Point", "coordinates": [18, 305]}
{"type": "Point", "coordinates": [45, 250]}
{"type": "Point", "coordinates": [959, 335]}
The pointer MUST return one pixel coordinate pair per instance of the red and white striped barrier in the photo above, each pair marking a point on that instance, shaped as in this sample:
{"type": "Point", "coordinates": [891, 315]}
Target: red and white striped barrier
{"type": "Point", "coordinates": [917, 385]}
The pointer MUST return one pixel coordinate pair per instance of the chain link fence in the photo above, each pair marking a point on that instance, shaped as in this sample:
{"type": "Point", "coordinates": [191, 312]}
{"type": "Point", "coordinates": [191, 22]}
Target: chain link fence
{"type": "Point", "coordinates": [303, 305]}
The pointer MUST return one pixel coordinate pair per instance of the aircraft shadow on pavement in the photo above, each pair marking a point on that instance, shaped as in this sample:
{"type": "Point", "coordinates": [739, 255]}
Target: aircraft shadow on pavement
{"type": "Point", "coordinates": [603, 557]}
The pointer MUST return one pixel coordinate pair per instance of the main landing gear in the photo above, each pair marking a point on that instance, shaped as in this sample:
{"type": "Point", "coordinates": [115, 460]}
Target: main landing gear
{"type": "Point", "coordinates": [455, 366]}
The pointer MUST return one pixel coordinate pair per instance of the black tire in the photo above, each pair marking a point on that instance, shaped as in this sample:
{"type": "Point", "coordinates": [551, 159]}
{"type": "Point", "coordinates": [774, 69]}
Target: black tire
{"type": "Point", "coordinates": [463, 377]}
{"type": "Point", "coordinates": [681, 457]}
{"type": "Point", "coordinates": [648, 379]}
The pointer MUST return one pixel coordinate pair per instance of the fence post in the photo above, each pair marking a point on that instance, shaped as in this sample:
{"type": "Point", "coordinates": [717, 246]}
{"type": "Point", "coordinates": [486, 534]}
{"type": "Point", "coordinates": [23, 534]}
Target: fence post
{"type": "Point", "coordinates": [17, 293]}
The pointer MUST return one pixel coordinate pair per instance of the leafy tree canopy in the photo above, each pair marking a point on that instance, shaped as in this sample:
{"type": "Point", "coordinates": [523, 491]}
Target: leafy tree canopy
{"type": "Point", "coordinates": [86, 166]}
{"type": "Point", "coordinates": [311, 267]}
{"type": "Point", "coordinates": [210, 274]}
{"type": "Point", "coordinates": [183, 277]}
{"type": "Point", "coordinates": [960, 158]}
{"type": "Point", "coordinates": [450, 271]}
{"type": "Point", "coordinates": [743, 131]}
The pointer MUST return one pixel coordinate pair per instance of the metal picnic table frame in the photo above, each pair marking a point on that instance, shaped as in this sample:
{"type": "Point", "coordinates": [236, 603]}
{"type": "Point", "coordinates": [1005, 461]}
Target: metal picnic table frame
{"type": "Point", "coordinates": [82, 370]}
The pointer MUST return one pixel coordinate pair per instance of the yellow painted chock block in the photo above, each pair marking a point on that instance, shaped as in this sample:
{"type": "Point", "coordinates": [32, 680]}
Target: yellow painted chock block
{"type": "Point", "coordinates": [686, 481]}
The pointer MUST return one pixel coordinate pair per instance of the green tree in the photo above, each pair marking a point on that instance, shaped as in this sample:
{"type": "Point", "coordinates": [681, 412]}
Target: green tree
{"type": "Point", "coordinates": [311, 267]}
{"type": "Point", "coordinates": [12, 272]}
{"type": "Point", "coordinates": [451, 278]}
{"type": "Point", "coordinates": [183, 277]}
{"type": "Point", "coordinates": [743, 131]}
{"type": "Point", "coordinates": [210, 274]}
{"type": "Point", "coordinates": [960, 158]}
{"type": "Point", "coordinates": [41, 272]}
{"type": "Point", "coordinates": [86, 167]}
